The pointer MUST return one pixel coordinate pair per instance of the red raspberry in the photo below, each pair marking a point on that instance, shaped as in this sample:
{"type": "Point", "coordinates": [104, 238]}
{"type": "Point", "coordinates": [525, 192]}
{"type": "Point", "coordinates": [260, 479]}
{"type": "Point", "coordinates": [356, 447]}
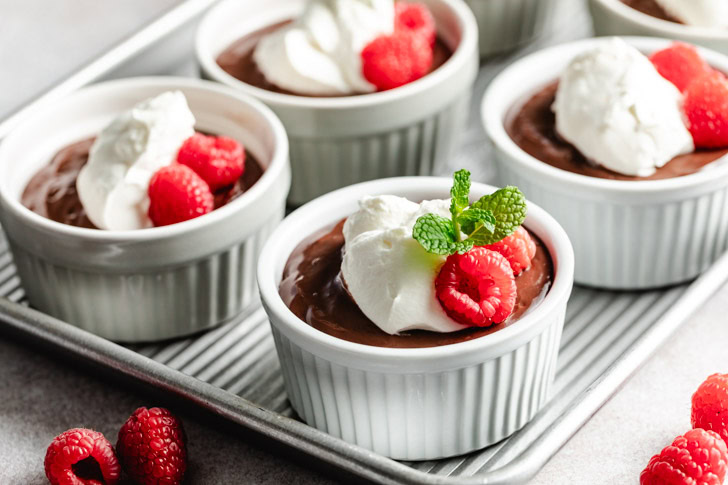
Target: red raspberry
{"type": "Point", "coordinates": [390, 61]}
{"type": "Point", "coordinates": [177, 194]}
{"type": "Point", "coordinates": [710, 405]}
{"type": "Point", "coordinates": [416, 18]}
{"type": "Point", "coordinates": [152, 447]}
{"type": "Point", "coordinates": [476, 288]}
{"type": "Point", "coordinates": [81, 457]}
{"type": "Point", "coordinates": [698, 457]}
{"type": "Point", "coordinates": [680, 64]}
{"type": "Point", "coordinates": [706, 108]}
{"type": "Point", "coordinates": [219, 160]}
{"type": "Point", "coordinates": [518, 248]}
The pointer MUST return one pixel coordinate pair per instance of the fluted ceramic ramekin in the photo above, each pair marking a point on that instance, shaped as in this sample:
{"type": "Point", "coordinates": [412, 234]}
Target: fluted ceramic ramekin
{"type": "Point", "coordinates": [612, 17]}
{"type": "Point", "coordinates": [415, 404]}
{"type": "Point", "coordinates": [504, 25]}
{"type": "Point", "coordinates": [410, 130]}
{"type": "Point", "coordinates": [146, 284]}
{"type": "Point", "coordinates": [626, 234]}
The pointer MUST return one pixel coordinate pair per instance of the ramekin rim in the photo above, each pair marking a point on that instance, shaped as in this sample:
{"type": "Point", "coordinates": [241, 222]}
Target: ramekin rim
{"type": "Point", "coordinates": [557, 294]}
{"type": "Point", "coordinates": [468, 44]}
{"type": "Point", "coordinates": [665, 27]}
{"type": "Point", "coordinates": [266, 181]}
{"type": "Point", "coordinates": [495, 128]}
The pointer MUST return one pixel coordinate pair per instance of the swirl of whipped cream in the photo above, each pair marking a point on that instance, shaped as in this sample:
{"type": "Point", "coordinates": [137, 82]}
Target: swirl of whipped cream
{"type": "Point", "coordinates": [615, 107]}
{"type": "Point", "coordinates": [319, 53]}
{"type": "Point", "coordinates": [703, 13]}
{"type": "Point", "coordinates": [113, 184]}
{"type": "Point", "coordinates": [378, 241]}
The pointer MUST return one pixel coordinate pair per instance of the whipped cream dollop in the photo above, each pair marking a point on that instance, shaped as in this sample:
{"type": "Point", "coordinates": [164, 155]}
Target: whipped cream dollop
{"type": "Point", "coordinates": [389, 275]}
{"type": "Point", "coordinates": [618, 111]}
{"type": "Point", "coordinates": [113, 184]}
{"type": "Point", "coordinates": [319, 53]}
{"type": "Point", "coordinates": [703, 13]}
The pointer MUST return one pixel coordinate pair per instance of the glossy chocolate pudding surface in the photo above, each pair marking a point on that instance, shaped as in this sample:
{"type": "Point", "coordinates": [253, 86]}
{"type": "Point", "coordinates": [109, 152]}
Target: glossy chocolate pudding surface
{"type": "Point", "coordinates": [237, 60]}
{"type": "Point", "coordinates": [312, 289]}
{"type": "Point", "coordinates": [651, 8]}
{"type": "Point", "coordinates": [52, 190]}
{"type": "Point", "coordinates": [533, 129]}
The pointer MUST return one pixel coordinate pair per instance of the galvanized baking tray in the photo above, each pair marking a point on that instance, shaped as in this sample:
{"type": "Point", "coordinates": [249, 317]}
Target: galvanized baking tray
{"type": "Point", "coordinates": [233, 370]}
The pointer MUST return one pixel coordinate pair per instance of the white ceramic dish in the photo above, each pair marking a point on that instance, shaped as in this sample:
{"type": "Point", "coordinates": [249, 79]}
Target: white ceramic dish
{"type": "Point", "coordinates": [504, 25]}
{"type": "Point", "coordinates": [153, 283]}
{"type": "Point", "coordinates": [336, 142]}
{"type": "Point", "coordinates": [415, 404]}
{"type": "Point", "coordinates": [612, 17]}
{"type": "Point", "coordinates": [626, 234]}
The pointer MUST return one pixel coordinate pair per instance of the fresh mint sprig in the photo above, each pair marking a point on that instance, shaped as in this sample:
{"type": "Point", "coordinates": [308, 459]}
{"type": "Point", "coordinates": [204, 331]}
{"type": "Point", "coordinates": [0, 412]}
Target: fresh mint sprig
{"type": "Point", "coordinates": [487, 221]}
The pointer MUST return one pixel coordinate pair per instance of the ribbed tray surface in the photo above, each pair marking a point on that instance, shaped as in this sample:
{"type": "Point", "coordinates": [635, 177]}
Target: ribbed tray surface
{"type": "Point", "coordinates": [240, 358]}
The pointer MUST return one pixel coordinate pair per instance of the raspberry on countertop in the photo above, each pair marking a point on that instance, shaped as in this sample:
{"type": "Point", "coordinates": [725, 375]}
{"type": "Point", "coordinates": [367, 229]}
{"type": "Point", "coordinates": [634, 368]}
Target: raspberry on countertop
{"type": "Point", "coordinates": [81, 457]}
{"type": "Point", "coordinates": [698, 457]}
{"type": "Point", "coordinates": [710, 405]}
{"type": "Point", "coordinates": [152, 447]}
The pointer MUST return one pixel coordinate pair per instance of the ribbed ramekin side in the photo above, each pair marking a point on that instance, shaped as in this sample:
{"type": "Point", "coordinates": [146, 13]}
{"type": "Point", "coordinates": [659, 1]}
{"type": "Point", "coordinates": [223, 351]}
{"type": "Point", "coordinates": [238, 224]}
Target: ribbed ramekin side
{"type": "Point", "coordinates": [420, 416]}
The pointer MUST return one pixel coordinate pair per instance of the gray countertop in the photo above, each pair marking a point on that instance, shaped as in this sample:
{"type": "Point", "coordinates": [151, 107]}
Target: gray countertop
{"type": "Point", "coordinates": [41, 396]}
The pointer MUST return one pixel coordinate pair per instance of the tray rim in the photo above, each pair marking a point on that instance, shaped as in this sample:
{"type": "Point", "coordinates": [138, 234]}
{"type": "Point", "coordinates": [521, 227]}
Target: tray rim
{"type": "Point", "coordinates": [65, 337]}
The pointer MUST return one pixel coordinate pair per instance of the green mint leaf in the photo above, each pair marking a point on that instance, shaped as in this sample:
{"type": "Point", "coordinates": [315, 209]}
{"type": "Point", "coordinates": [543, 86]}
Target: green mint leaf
{"type": "Point", "coordinates": [436, 235]}
{"type": "Point", "coordinates": [508, 205]}
{"type": "Point", "coordinates": [472, 219]}
{"type": "Point", "coordinates": [459, 192]}
{"type": "Point", "coordinates": [463, 246]}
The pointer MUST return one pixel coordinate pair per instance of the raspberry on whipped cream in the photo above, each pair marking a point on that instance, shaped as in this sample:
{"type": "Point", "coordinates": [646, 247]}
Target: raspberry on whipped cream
{"type": "Point", "coordinates": [428, 266]}
{"type": "Point", "coordinates": [702, 13]}
{"type": "Point", "coordinates": [113, 185]}
{"type": "Point", "coordinates": [617, 110]}
{"type": "Point", "coordinates": [378, 241]}
{"type": "Point", "coordinates": [319, 52]}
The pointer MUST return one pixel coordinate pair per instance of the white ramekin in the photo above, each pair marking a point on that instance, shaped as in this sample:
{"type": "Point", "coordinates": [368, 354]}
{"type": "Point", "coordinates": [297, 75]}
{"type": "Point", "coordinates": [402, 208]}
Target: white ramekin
{"type": "Point", "coordinates": [335, 142]}
{"type": "Point", "coordinates": [504, 25]}
{"type": "Point", "coordinates": [415, 404]}
{"type": "Point", "coordinates": [626, 234]}
{"type": "Point", "coordinates": [153, 283]}
{"type": "Point", "coordinates": [612, 17]}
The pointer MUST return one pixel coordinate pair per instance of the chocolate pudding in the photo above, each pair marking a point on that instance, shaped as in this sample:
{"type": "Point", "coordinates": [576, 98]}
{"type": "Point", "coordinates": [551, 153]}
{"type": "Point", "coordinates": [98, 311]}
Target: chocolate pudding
{"type": "Point", "coordinates": [237, 60]}
{"type": "Point", "coordinates": [534, 130]}
{"type": "Point", "coordinates": [312, 289]}
{"type": "Point", "coordinates": [651, 8]}
{"type": "Point", "coordinates": [52, 190]}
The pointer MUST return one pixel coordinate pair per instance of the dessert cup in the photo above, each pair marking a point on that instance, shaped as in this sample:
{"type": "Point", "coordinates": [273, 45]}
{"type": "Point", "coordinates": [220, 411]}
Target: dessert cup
{"type": "Point", "coordinates": [504, 25]}
{"type": "Point", "coordinates": [410, 130]}
{"type": "Point", "coordinates": [146, 284]}
{"type": "Point", "coordinates": [626, 234]}
{"type": "Point", "coordinates": [422, 403]}
{"type": "Point", "coordinates": [612, 17]}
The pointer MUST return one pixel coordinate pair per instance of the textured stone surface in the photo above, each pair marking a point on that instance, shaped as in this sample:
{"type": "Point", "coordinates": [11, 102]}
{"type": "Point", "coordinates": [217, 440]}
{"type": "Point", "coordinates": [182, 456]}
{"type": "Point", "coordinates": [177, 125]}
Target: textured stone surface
{"type": "Point", "coordinates": [650, 410]}
{"type": "Point", "coordinates": [41, 397]}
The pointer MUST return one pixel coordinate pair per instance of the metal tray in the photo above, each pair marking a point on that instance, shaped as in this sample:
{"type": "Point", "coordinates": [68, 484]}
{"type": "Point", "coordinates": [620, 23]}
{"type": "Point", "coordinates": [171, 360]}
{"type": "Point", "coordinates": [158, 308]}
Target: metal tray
{"type": "Point", "coordinates": [233, 370]}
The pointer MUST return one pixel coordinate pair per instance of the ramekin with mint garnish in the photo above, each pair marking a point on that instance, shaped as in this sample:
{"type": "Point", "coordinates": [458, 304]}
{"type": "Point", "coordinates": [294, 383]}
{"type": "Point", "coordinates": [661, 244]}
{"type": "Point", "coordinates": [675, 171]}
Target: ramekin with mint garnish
{"type": "Point", "coordinates": [364, 393]}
